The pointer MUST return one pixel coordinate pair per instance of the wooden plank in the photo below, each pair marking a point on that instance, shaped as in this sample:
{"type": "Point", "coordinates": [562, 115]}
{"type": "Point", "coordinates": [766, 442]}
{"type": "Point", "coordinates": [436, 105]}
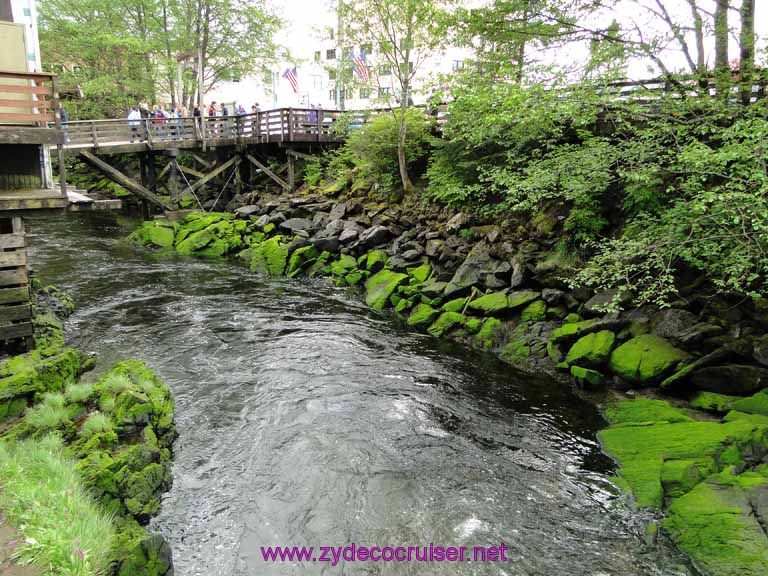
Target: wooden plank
{"type": "Point", "coordinates": [36, 76]}
{"type": "Point", "coordinates": [301, 155]}
{"type": "Point", "coordinates": [4, 103]}
{"type": "Point", "coordinates": [268, 172]}
{"type": "Point", "coordinates": [11, 241]}
{"type": "Point", "coordinates": [202, 161]}
{"type": "Point", "coordinates": [20, 117]}
{"type": "Point", "coordinates": [203, 181]}
{"type": "Point", "coordinates": [15, 312]}
{"type": "Point", "coordinates": [13, 277]}
{"type": "Point", "coordinates": [14, 295]}
{"type": "Point", "coordinates": [16, 258]}
{"type": "Point", "coordinates": [10, 88]}
{"type": "Point", "coordinates": [191, 171]}
{"type": "Point", "coordinates": [13, 331]}
{"type": "Point", "coordinates": [124, 181]}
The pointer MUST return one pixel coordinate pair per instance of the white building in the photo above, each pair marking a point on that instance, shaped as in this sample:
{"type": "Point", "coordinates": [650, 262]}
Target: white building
{"type": "Point", "coordinates": [25, 12]}
{"type": "Point", "coordinates": [312, 41]}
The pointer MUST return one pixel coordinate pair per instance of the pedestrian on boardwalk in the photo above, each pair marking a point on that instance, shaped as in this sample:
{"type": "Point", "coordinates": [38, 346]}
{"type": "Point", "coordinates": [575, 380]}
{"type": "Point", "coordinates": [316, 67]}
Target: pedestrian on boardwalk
{"type": "Point", "coordinates": [134, 121]}
{"type": "Point", "coordinates": [224, 119]}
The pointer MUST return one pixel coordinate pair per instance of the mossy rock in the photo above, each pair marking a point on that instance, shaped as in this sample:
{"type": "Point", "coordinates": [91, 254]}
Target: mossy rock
{"type": "Point", "coordinates": [644, 411]}
{"type": "Point", "coordinates": [473, 325]}
{"type": "Point", "coordinates": [592, 350]}
{"type": "Point", "coordinates": [381, 286]}
{"type": "Point", "coordinates": [536, 311]}
{"type": "Point", "coordinates": [714, 523]}
{"type": "Point", "coordinates": [154, 234]}
{"type": "Point", "coordinates": [587, 377]}
{"type": "Point", "coordinates": [376, 260]}
{"type": "Point", "coordinates": [678, 477]}
{"type": "Point", "coordinates": [270, 257]}
{"type": "Point", "coordinates": [420, 274]}
{"type": "Point", "coordinates": [138, 553]}
{"type": "Point", "coordinates": [490, 304]}
{"type": "Point", "coordinates": [521, 298]}
{"type": "Point", "coordinates": [756, 404]}
{"type": "Point", "coordinates": [356, 277]}
{"type": "Point", "coordinates": [756, 419]}
{"type": "Point", "coordinates": [570, 330]}
{"type": "Point", "coordinates": [490, 334]}
{"type": "Point", "coordinates": [344, 265]}
{"type": "Point", "coordinates": [515, 352]}
{"type": "Point", "coordinates": [455, 305]}
{"type": "Point", "coordinates": [646, 359]}
{"type": "Point", "coordinates": [713, 402]}
{"type": "Point", "coordinates": [300, 259]}
{"type": "Point", "coordinates": [422, 315]}
{"type": "Point", "coordinates": [445, 322]}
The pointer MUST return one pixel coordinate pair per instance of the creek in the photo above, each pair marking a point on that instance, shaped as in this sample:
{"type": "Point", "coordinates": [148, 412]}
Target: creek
{"type": "Point", "coordinates": [306, 419]}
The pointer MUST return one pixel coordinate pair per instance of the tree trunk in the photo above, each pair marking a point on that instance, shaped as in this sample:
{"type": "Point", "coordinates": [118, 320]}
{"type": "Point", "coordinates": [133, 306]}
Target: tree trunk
{"type": "Point", "coordinates": [747, 41]}
{"type": "Point", "coordinates": [401, 159]}
{"type": "Point", "coordinates": [722, 69]}
{"type": "Point", "coordinates": [168, 55]}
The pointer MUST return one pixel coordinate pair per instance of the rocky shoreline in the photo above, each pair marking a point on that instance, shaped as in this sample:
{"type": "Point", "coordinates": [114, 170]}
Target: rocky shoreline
{"type": "Point", "coordinates": [502, 289]}
{"type": "Point", "coordinates": [119, 431]}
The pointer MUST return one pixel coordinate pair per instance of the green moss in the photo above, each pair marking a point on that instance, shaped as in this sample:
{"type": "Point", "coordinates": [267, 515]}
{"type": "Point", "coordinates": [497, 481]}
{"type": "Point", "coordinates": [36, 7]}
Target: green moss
{"type": "Point", "coordinates": [757, 404]}
{"type": "Point", "coordinates": [587, 377]}
{"type": "Point", "coordinates": [570, 330]}
{"type": "Point", "coordinates": [422, 315]}
{"type": "Point", "coordinates": [536, 311]}
{"type": "Point", "coordinates": [344, 265]}
{"type": "Point", "coordinates": [270, 257]}
{"type": "Point", "coordinates": [473, 325]}
{"type": "Point", "coordinates": [403, 306]}
{"type": "Point", "coordinates": [646, 359]}
{"type": "Point", "coordinates": [445, 322]}
{"type": "Point", "coordinates": [219, 238]}
{"type": "Point", "coordinates": [643, 411]}
{"type": "Point", "coordinates": [713, 402]}
{"type": "Point", "coordinates": [592, 350]}
{"type": "Point", "coordinates": [490, 334]}
{"type": "Point", "coordinates": [154, 234]}
{"type": "Point", "coordinates": [354, 278]}
{"type": "Point", "coordinates": [714, 524]}
{"type": "Point", "coordinates": [756, 419]}
{"type": "Point", "coordinates": [381, 286]}
{"type": "Point", "coordinates": [490, 303]}
{"type": "Point", "coordinates": [515, 352]}
{"type": "Point", "coordinates": [456, 305]}
{"type": "Point", "coordinates": [521, 298]}
{"type": "Point", "coordinates": [420, 274]}
{"type": "Point", "coordinates": [300, 259]}
{"type": "Point", "coordinates": [376, 260]}
{"type": "Point", "coordinates": [678, 477]}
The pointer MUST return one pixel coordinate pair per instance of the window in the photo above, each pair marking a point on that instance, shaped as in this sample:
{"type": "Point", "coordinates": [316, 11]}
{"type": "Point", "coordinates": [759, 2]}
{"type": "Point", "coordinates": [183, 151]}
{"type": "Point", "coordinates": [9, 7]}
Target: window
{"type": "Point", "coordinates": [331, 74]}
{"type": "Point", "coordinates": [77, 69]}
{"type": "Point", "coordinates": [317, 81]}
{"type": "Point", "coordinates": [330, 54]}
{"type": "Point", "coordinates": [365, 93]}
{"type": "Point", "coordinates": [457, 65]}
{"type": "Point", "coordinates": [366, 49]}
{"type": "Point", "coordinates": [384, 91]}
{"type": "Point", "coordinates": [317, 56]}
{"type": "Point", "coordinates": [385, 70]}
{"type": "Point", "coordinates": [332, 95]}
{"type": "Point", "coordinates": [330, 33]}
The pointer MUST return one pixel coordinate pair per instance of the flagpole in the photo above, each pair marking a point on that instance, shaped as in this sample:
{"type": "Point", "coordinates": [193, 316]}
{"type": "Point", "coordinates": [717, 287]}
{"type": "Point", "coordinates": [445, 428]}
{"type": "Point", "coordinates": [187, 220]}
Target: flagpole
{"type": "Point", "coordinates": [340, 71]}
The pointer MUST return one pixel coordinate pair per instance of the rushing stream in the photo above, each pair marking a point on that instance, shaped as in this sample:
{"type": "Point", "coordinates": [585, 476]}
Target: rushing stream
{"type": "Point", "coordinates": [307, 420]}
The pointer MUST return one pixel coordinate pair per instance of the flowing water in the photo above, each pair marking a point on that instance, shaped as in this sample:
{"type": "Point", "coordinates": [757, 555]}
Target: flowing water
{"type": "Point", "coordinates": [305, 419]}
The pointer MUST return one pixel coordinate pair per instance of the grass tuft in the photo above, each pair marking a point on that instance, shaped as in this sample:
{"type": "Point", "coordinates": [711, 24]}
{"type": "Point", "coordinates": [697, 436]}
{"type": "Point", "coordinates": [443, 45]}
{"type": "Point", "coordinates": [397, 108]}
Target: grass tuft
{"type": "Point", "coordinates": [79, 393]}
{"type": "Point", "coordinates": [96, 423]}
{"type": "Point", "coordinates": [116, 383]}
{"type": "Point", "coordinates": [65, 531]}
{"type": "Point", "coordinates": [49, 414]}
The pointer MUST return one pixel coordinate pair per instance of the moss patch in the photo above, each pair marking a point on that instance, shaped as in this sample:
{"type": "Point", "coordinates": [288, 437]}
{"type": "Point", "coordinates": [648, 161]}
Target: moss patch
{"type": "Point", "coordinates": [490, 303]}
{"type": "Point", "coordinates": [713, 402]}
{"type": "Point", "coordinates": [270, 257]}
{"type": "Point", "coordinates": [646, 359]}
{"type": "Point", "coordinates": [422, 315]}
{"type": "Point", "coordinates": [381, 286]}
{"type": "Point", "coordinates": [592, 350]}
{"type": "Point", "coordinates": [445, 323]}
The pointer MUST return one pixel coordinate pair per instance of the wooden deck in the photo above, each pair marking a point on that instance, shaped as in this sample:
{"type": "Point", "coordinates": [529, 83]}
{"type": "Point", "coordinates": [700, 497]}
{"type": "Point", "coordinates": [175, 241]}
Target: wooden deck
{"type": "Point", "coordinates": [53, 199]}
{"type": "Point", "coordinates": [285, 125]}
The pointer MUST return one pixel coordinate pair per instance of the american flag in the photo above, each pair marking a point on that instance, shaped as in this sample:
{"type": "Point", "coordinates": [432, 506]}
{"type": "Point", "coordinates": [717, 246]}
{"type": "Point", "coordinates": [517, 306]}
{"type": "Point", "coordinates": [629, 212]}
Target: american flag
{"type": "Point", "coordinates": [361, 66]}
{"type": "Point", "coordinates": [293, 78]}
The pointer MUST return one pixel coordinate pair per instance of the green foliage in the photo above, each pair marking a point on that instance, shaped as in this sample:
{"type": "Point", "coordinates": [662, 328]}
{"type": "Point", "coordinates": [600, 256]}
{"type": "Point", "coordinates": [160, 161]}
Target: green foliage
{"type": "Point", "coordinates": [372, 148]}
{"type": "Point", "coordinates": [96, 423]}
{"type": "Point", "coordinates": [50, 414]}
{"type": "Point", "coordinates": [313, 172]}
{"type": "Point", "coordinates": [65, 531]}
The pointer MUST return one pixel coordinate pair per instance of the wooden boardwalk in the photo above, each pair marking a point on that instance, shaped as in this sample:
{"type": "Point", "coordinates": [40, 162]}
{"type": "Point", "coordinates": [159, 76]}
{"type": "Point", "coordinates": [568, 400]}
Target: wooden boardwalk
{"type": "Point", "coordinates": [285, 125]}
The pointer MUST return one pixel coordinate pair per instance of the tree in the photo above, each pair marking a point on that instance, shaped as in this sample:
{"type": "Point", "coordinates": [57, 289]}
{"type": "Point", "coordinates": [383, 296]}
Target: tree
{"type": "Point", "coordinates": [406, 33]}
{"type": "Point", "coordinates": [722, 66]}
{"type": "Point", "coordinates": [747, 42]}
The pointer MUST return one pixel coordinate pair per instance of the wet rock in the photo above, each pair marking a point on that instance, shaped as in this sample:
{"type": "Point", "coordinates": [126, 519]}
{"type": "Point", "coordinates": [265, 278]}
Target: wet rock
{"type": "Point", "coordinates": [277, 218]}
{"type": "Point", "coordinates": [760, 350]}
{"type": "Point", "coordinates": [327, 244]}
{"type": "Point", "coordinates": [518, 276]}
{"type": "Point", "coordinates": [458, 222]}
{"type": "Point", "coordinates": [293, 225]}
{"type": "Point", "coordinates": [262, 221]}
{"type": "Point", "coordinates": [247, 211]}
{"type": "Point", "coordinates": [596, 305]}
{"type": "Point", "coordinates": [375, 235]}
{"type": "Point", "coordinates": [731, 379]}
{"type": "Point", "coordinates": [471, 272]}
{"type": "Point", "coordinates": [646, 359]}
{"type": "Point", "coordinates": [338, 211]}
{"type": "Point", "coordinates": [348, 235]}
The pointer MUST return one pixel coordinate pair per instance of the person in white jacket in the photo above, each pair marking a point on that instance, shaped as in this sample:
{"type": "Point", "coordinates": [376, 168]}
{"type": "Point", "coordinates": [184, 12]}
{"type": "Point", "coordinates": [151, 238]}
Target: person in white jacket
{"type": "Point", "coordinates": [134, 121]}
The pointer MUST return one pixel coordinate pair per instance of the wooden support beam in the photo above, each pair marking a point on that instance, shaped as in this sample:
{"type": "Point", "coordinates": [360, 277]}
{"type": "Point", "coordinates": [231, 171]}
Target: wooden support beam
{"type": "Point", "coordinates": [191, 172]}
{"type": "Point", "coordinates": [301, 155]}
{"type": "Point", "coordinates": [202, 161]}
{"type": "Point", "coordinates": [124, 181]}
{"type": "Point", "coordinates": [203, 181]}
{"type": "Point", "coordinates": [30, 135]}
{"type": "Point", "coordinates": [292, 172]}
{"type": "Point", "coordinates": [164, 171]}
{"type": "Point", "coordinates": [268, 172]}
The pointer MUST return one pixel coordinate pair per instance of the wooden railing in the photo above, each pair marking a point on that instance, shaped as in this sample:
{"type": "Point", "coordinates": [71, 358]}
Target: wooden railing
{"type": "Point", "coordinates": [281, 125]}
{"type": "Point", "coordinates": [28, 98]}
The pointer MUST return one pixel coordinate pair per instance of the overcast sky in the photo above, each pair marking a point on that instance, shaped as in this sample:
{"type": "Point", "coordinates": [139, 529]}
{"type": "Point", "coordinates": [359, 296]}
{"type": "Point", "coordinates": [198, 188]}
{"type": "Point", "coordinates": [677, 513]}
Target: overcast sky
{"type": "Point", "coordinates": [303, 18]}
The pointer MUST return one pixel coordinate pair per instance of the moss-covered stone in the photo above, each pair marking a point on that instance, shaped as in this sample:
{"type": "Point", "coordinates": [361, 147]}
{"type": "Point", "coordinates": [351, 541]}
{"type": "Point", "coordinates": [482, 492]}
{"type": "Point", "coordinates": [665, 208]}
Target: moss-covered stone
{"type": "Point", "coordinates": [473, 325]}
{"type": "Point", "coordinates": [756, 404]}
{"type": "Point", "coordinates": [422, 315]}
{"type": "Point", "coordinates": [344, 265]}
{"type": "Point", "coordinates": [300, 259]}
{"type": "Point", "coordinates": [587, 377]}
{"type": "Point", "coordinates": [570, 330]}
{"type": "Point", "coordinates": [646, 359]}
{"type": "Point", "coordinates": [644, 411]}
{"type": "Point", "coordinates": [420, 274]}
{"type": "Point", "coordinates": [445, 322]}
{"type": "Point", "coordinates": [521, 298]}
{"type": "Point", "coordinates": [490, 303]}
{"type": "Point", "coordinates": [515, 352]}
{"type": "Point", "coordinates": [380, 287]}
{"type": "Point", "coordinates": [713, 402]}
{"type": "Point", "coordinates": [756, 419]}
{"type": "Point", "coordinates": [376, 260]}
{"type": "Point", "coordinates": [490, 334]}
{"type": "Point", "coordinates": [270, 257]}
{"type": "Point", "coordinates": [714, 523]}
{"type": "Point", "coordinates": [154, 234]}
{"type": "Point", "coordinates": [536, 311]}
{"type": "Point", "coordinates": [455, 305]}
{"type": "Point", "coordinates": [592, 350]}
{"type": "Point", "coordinates": [678, 477]}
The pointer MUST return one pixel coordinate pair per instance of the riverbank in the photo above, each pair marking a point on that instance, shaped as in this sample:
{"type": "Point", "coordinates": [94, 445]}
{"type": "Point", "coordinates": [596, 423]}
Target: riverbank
{"type": "Point", "coordinates": [84, 460]}
{"type": "Point", "coordinates": [502, 290]}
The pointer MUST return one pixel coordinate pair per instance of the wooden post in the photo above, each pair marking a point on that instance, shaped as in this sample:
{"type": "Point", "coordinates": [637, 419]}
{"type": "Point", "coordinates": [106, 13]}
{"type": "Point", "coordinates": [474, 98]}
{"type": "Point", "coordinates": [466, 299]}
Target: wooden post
{"type": "Point", "coordinates": [93, 134]}
{"type": "Point", "coordinates": [60, 145]}
{"type": "Point", "coordinates": [291, 172]}
{"type": "Point", "coordinates": [258, 126]}
{"type": "Point", "coordinates": [151, 172]}
{"type": "Point", "coordinates": [319, 124]}
{"type": "Point", "coordinates": [290, 124]}
{"type": "Point", "coordinates": [268, 172]}
{"type": "Point", "coordinates": [173, 177]}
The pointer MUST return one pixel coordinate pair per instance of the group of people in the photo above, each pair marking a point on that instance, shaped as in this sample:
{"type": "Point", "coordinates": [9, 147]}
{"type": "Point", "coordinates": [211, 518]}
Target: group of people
{"type": "Point", "coordinates": [169, 122]}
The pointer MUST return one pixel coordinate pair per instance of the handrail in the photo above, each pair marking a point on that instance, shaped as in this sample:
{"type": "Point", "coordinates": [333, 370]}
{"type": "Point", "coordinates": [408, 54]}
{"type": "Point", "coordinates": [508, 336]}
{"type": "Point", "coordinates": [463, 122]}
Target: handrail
{"type": "Point", "coordinates": [29, 100]}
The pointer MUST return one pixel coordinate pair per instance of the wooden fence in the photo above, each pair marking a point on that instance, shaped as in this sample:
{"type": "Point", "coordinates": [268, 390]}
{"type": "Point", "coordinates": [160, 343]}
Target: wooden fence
{"type": "Point", "coordinates": [15, 309]}
{"type": "Point", "coordinates": [28, 98]}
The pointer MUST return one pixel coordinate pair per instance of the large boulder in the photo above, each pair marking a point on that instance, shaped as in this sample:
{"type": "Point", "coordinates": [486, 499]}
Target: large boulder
{"type": "Point", "coordinates": [381, 286]}
{"type": "Point", "coordinates": [472, 271]}
{"type": "Point", "coordinates": [293, 225]}
{"type": "Point", "coordinates": [592, 350]}
{"type": "Point", "coordinates": [375, 236]}
{"type": "Point", "coordinates": [270, 257]}
{"type": "Point", "coordinates": [734, 379]}
{"type": "Point", "coordinates": [646, 359]}
{"type": "Point", "coordinates": [682, 326]}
